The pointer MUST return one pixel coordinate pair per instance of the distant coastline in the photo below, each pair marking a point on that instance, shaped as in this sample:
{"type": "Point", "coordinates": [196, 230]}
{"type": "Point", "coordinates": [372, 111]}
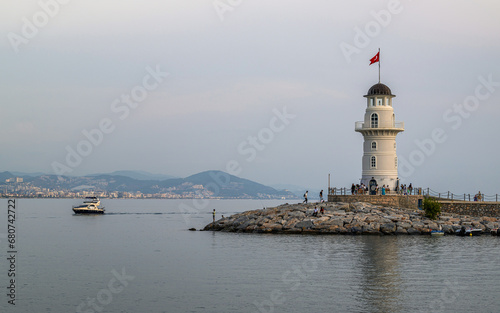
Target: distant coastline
{"type": "Point", "coordinates": [204, 185]}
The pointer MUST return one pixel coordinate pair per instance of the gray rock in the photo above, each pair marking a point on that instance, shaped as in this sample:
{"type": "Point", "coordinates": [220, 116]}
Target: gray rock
{"type": "Point", "coordinates": [388, 228]}
{"type": "Point", "coordinates": [404, 225]}
{"type": "Point", "coordinates": [412, 231]}
{"type": "Point", "coordinates": [297, 214]}
{"type": "Point", "coordinates": [372, 228]}
{"type": "Point", "coordinates": [240, 220]}
{"type": "Point", "coordinates": [401, 231]}
{"type": "Point", "coordinates": [357, 230]}
{"type": "Point", "coordinates": [243, 225]}
{"type": "Point", "coordinates": [304, 224]}
{"type": "Point", "coordinates": [448, 229]}
{"type": "Point", "coordinates": [336, 222]}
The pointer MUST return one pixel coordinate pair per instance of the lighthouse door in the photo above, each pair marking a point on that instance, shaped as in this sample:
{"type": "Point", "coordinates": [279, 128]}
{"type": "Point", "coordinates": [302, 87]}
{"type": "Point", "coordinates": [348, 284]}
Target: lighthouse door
{"type": "Point", "coordinates": [373, 186]}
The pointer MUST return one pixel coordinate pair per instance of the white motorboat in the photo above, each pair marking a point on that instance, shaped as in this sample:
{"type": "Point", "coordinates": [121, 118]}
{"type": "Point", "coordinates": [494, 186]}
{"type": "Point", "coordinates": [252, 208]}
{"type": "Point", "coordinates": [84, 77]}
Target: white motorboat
{"type": "Point", "coordinates": [89, 206]}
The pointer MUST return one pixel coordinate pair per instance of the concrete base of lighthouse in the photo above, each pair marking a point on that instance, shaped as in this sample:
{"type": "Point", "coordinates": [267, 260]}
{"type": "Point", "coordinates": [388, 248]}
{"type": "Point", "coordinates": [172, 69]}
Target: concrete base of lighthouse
{"type": "Point", "coordinates": [381, 181]}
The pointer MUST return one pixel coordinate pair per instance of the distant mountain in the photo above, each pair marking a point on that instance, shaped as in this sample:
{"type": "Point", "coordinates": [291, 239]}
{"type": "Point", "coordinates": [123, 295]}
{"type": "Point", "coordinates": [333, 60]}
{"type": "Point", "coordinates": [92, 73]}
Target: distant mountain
{"type": "Point", "coordinates": [23, 174]}
{"type": "Point", "coordinates": [5, 175]}
{"type": "Point", "coordinates": [139, 175]}
{"type": "Point", "coordinates": [232, 187]}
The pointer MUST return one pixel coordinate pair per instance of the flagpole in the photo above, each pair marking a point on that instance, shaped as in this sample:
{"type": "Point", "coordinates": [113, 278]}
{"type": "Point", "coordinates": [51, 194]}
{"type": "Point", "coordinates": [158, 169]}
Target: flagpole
{"type": "Point", "coordinates": [379, 65]}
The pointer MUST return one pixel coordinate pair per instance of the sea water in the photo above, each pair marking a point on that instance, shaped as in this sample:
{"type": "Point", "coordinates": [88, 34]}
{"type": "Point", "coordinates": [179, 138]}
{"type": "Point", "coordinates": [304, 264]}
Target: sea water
{"type": "Point", "coordinates": [141, 257]}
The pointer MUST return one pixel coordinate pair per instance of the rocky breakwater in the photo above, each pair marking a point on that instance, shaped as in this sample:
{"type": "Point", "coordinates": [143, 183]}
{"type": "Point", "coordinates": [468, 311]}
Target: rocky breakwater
{"type": "Point", "coordinates": [343, 218]}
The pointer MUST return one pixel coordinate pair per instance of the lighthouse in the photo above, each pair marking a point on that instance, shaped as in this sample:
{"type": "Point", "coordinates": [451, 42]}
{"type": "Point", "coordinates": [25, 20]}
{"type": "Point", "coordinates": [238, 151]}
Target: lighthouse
{"type": "Point", "coordinates": [379, 130]}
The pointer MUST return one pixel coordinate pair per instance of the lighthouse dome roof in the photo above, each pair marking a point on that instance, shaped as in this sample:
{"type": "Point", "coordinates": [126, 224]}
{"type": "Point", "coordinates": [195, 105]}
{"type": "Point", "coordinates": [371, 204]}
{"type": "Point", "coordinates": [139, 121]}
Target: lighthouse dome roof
{"type": "Point", "coordinates": [379, 89]}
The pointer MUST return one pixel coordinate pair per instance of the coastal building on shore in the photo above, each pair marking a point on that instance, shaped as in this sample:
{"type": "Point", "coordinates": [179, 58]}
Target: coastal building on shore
{"type": "Point", "coordinates": [379, 130]}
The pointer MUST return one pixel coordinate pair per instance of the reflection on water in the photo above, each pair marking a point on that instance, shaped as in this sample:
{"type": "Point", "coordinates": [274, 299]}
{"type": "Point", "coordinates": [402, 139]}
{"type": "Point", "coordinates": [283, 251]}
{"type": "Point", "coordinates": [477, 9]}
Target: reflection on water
{"type": "Point", "coordinates": [381, 273]}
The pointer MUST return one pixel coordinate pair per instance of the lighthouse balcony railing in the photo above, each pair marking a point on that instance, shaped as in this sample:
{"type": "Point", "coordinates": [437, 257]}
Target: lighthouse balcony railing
{"type": "Point", "coordinates": [363, 125]}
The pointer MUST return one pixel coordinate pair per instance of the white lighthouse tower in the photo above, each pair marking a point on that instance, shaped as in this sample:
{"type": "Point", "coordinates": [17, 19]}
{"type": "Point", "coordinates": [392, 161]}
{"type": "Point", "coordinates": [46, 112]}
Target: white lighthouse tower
{"type": "Point", "coordinates": [379, 130]}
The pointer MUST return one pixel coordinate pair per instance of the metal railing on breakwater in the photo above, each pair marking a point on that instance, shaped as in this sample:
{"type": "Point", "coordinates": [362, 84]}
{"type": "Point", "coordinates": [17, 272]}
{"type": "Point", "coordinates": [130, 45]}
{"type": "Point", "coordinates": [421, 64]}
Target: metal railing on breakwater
{"type": "Point", "coordinates": [450, 196]}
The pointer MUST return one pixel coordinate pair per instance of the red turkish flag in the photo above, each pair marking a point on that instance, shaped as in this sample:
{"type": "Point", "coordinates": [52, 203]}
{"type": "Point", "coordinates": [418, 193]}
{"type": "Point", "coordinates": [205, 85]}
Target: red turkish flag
{"type": "Point", "coordinates": [375, 59]}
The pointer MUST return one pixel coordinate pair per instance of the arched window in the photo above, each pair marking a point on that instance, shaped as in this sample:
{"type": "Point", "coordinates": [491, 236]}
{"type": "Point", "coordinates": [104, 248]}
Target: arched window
{"type": "Point", "coordinates": [373, 162]}
{"type": "Point", "coordinates": [374, 120]}
{"type": "Point", "coordinates": [374, 145]}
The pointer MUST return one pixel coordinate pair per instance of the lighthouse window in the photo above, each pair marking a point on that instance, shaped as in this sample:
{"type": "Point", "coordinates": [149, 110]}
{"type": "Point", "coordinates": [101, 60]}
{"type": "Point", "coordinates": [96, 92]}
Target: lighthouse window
{"type": "Point", "coordinates": [371, 102]}
{"type": "Point", "coordinates": [374, 120]}
{"type": "Point", "coordinates": [379, 101]}
{"type": "Point", "coordinates": [373, 162]}
{"type": "Point", "coordinates": [374, 145]}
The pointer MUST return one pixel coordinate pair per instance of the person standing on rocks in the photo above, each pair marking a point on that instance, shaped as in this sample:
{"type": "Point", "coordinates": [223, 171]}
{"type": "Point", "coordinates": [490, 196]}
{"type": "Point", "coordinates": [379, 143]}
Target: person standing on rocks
{"type": "Point", "coordinates": [321, 196]}
{"type": "Point", "coordinates": [305, 197]}
{"type": "Point", "coordinates": [213, 213]}
{"type": "Point", "coordinates": [353, 189]}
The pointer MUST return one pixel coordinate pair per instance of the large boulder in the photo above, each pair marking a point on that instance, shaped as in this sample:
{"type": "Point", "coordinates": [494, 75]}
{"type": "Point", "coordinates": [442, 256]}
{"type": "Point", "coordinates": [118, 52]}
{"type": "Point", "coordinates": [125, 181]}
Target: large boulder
{"type": "Point", "coordinates": [304, 224]}
{"type": "Point", "coordinates": [272, 227]}
{"type": "Point", "coordinates": [243, 226]}
{"type": "Point", "coordinates": [372, 228]}
{"type": "Point", "coordinates": [336, 222]}
{"type": "Point", "coordinates": [413, 231]}
{"type": "Point", "coordinates": [290, 223]}
{"type": "Point", "coordinates": [404, 225]}
{"type": "Point", "coordinates": [401, 231]}
{"type": "Point", "coordinates": [320, 220]}
{"type": "Point", "coordinates": [448, 229]}
{"type": "Point", "coordinates": [297, 214]}
{"type": "Point", "coordinates": [388, 228]}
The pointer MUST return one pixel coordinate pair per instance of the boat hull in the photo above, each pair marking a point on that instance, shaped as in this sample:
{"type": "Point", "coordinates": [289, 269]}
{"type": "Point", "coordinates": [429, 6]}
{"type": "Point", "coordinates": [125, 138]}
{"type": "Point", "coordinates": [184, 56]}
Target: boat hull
{"type": "Point", "coordinates": [85, 211]}
{"type": "Point", "coordinates": [437, 233]}
{"type": "Point", "coordinates": [468, 232]}
{"type": "Point", "coordinates": [88, 211]}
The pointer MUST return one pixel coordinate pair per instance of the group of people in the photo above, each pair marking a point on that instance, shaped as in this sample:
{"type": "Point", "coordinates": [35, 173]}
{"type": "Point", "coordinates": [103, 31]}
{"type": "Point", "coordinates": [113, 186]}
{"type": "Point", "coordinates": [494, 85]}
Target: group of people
{"type": "Point", "coordinates": [361, 189]}
{"type": "Point", "coordinates": [320, 196]}
{"type": "Point", "coordinates": [478, 197]}
{"type": "Point", "coordinates": [404, 190]}
{"type": "Point", "coordinates": [315, 212]}
{"type": "Point", "coordinates": [321, 211]}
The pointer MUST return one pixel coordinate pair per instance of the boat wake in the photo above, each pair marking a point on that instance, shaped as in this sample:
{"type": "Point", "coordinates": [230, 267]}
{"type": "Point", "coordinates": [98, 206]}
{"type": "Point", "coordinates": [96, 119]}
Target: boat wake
{"type": "Point", "coordinates": [149, 213]}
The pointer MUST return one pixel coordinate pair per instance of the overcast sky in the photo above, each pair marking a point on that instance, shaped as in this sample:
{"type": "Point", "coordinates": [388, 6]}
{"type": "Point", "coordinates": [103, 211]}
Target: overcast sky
{"type": "Point", "coordinates": [232, 65]}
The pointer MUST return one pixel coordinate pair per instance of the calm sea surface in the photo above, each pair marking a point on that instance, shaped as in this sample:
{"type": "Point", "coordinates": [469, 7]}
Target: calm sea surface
{"type": "Point", "coordinates": [140, 257]}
